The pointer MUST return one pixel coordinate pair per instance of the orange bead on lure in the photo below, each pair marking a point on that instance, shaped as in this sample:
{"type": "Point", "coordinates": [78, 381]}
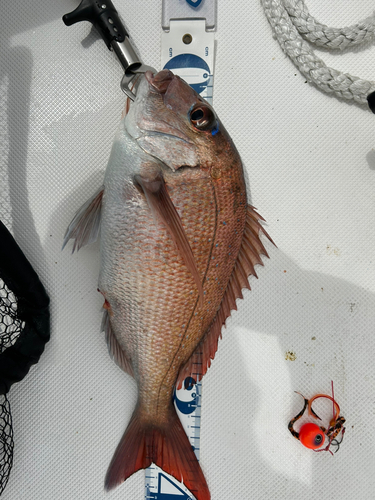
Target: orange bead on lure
{"type": "Point", "coordinates": [313, 436]}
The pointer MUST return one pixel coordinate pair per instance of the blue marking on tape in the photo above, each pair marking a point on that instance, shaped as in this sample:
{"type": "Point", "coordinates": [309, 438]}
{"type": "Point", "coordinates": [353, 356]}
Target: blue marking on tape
{"type": "Point", "coordinates": [178, 493]}
{"type": "Point", "coordinates": [200, 77]}
{"type": "Point", "coordinates": [191, 404]}
{"type": "Point", "coordinates": [194, 3]}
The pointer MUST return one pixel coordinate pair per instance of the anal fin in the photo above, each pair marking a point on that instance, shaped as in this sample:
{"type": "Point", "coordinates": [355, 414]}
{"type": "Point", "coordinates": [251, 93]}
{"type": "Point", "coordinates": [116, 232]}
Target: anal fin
{"type": "Point", "coordinates": [85, 226]}
{"type": "Point", "coordinates": [248, 257]}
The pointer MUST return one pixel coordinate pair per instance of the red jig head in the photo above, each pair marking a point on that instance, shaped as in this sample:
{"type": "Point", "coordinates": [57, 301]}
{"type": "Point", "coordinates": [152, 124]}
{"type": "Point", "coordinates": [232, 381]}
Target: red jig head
{"type": "Point", "coordinates": [313, 436]}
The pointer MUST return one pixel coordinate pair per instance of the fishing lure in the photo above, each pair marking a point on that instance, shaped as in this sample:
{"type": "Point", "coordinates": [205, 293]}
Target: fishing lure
{"type": "Point", "coordinates": [313, 436]}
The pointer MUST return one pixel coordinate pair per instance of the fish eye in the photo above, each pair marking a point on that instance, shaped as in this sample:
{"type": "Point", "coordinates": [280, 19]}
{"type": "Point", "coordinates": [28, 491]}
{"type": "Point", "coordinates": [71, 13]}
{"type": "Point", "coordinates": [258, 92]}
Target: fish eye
{"type": "Point", "coordinates": [202, 117]}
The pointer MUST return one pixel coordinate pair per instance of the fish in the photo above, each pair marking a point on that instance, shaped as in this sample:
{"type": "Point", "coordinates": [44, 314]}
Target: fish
{"type": "Point", "coordinates": [178, 243]}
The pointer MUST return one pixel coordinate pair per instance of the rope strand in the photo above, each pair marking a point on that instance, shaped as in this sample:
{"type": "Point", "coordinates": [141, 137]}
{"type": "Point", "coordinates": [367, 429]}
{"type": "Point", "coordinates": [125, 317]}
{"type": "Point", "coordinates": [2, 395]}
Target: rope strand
{"type": "Point", "coordinates": [321, 35]}
{"type": "Point", "coordinates": [291, 23]}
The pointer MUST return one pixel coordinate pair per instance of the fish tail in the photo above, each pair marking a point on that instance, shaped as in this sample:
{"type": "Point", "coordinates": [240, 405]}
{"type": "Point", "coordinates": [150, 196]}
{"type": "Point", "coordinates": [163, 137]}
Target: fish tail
{"type": "Point", "coordinates": [167, 446]}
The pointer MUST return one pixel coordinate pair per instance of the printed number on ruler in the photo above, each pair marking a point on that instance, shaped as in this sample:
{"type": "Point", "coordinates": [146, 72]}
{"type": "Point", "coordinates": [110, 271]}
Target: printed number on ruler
{"type": "Point", "coordinates": [162, 486]}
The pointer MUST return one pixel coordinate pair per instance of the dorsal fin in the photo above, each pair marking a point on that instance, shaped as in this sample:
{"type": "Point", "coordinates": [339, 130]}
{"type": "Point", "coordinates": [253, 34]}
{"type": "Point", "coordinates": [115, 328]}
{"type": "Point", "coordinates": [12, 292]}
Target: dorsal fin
{"type": "Point", "coordinates": [248, 256]}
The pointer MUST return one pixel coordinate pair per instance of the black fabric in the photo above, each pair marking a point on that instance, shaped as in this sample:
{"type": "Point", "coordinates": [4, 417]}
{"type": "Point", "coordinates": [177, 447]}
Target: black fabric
{"type": "Point", "coordinates": [33, 309]}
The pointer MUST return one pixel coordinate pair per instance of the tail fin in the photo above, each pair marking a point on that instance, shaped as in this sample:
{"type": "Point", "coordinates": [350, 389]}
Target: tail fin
{"type": "Point", "coordinates": [167, 446]}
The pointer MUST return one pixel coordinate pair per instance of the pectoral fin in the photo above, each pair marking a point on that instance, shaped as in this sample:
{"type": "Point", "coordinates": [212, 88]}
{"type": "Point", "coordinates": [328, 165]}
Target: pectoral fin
{"type": "Point", "coordinates": [163, 209]}
{"type": "Point", "coordinates": [85, 226]}
{"type": "Point", "coordinates": [119, 356]}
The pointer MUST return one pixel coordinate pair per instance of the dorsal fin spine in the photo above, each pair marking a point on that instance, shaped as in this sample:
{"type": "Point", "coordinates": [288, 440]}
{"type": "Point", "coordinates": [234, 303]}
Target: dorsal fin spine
{"type": "Point", "coordinates": [251, 252]}
{"type": "Point", "coordinates": [231, 297]}
{"type": "Point", "coordinates": [256, 242]}
{"type": "Point", "coordinates": [246, 264]}
{"type": "Point", "coordinates": [242, 276]}
{"type": "Point", "coordinates": [236, 286]}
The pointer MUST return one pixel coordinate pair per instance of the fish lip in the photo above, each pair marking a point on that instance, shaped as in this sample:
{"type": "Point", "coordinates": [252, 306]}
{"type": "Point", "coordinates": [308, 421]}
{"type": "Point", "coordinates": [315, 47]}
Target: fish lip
{"type": "Point", "coordinates": [160, 81]}
{"type": "Point", "coordinates": [149, 75]}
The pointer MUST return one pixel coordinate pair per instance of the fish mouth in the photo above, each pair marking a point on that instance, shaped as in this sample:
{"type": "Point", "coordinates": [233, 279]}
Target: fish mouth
{"type": "Point", "coordinates": [160, 81]}
{"type": "Point", "coordinates": [159, 84]}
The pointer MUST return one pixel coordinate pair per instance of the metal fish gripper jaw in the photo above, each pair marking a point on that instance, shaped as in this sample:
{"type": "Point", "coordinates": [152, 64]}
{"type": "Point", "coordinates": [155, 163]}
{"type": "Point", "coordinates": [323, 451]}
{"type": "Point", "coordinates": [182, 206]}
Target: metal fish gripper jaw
{"type": "Point", "coordinates": [105, 18]}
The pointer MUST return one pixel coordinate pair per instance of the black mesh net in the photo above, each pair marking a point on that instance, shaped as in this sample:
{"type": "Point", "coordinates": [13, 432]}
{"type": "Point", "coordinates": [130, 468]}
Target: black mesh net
{"type": "Point", "coordinates": [10, 329]}
{"type": "Point", "coordinates": [10, 325]}
{"type": "Point", "coordinates": [24, 331]}
{"type": "Point", "coordinates": [6, 441]}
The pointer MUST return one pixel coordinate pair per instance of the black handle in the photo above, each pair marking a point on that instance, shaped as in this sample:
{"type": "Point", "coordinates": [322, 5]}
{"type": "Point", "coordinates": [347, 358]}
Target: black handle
{"type": "Point", "coordinates": [103, 15]}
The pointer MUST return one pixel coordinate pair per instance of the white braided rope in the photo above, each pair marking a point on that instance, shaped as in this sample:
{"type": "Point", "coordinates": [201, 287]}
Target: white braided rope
{"type": "Point", "coordinates": [324, 36]}
{"type": "Point", "coordinates": [290, 20]}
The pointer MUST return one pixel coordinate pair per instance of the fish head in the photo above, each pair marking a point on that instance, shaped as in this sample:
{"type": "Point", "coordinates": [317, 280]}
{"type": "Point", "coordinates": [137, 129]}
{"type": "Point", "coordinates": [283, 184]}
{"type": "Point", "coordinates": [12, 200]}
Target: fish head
{"type": "Point", "coordinates": [174, 124]}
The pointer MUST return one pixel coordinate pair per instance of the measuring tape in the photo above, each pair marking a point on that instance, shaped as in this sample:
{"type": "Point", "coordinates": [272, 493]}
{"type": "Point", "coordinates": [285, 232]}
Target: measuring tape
{"type": "Point", "coordinates": [188, 51]}
{"type": "Point", "coordinates": [160, 485]}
